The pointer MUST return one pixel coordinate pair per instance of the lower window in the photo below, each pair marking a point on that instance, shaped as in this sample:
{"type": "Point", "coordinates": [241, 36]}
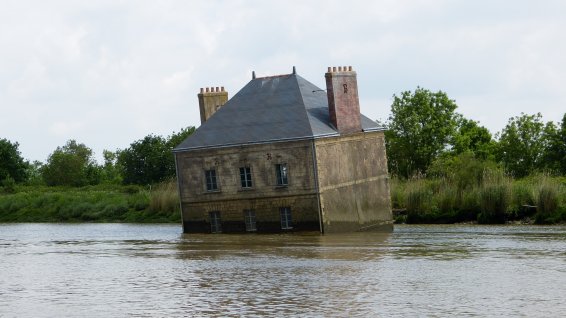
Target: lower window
{"type": "Point", "coordinates": [285, 218]}
{"type": "Point", "coordinates": [215, 222]}
{"type": "Point", "coordinates": [249, 219]}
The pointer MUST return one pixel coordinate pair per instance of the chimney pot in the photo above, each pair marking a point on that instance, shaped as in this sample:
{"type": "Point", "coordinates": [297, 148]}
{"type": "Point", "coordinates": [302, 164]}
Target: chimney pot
{"type": "Point", "coordinates": [253, 74]}
{"type": "Point", "coordinates": [339, 68]}
{"type": "Point", "coordinates": [329, 69]}
{"type": "Point", "coordinates": [334, 69]}
{"type": "Point", "coordinates": [349, 68]}
{"type": "Point", "coordinates": [201, 90]}
{"type": "Point", "coordinates": [222, 88]}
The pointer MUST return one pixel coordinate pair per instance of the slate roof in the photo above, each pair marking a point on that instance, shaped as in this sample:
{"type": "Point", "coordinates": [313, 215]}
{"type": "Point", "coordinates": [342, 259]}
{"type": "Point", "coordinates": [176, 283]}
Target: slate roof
{"type": "Point", "coordinates": [269, 109]}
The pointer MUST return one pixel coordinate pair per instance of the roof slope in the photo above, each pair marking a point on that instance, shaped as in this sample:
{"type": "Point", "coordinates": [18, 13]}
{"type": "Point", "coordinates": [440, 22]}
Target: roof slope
{"type": "Point", "coordinates": [268, 109]}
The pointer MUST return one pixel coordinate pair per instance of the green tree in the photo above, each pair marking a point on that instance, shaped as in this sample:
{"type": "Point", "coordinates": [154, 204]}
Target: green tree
{"type": "Point", "coordinates": [146, 161]}
{"type": "Point", "coordinates": [34, 170]}
{"type": "Point", "coordinates": [471, 137]}
{"type": "Point", "coordinates": [555, 152]}
{"type": "Point", "coordinates": [110, 171]}
{"type": "Point", "coordinates": [71, 165]}
{"type": "Point", "coordinates": [177, 137]}
{"type": "Point", "coordinates": [420, 127]}
{"type": "Point", "coordinates": [12, 165]}
{"type": "Point", "coordinates": [522, 143]}
{"type": "Point", "coordinates": [150, 160]}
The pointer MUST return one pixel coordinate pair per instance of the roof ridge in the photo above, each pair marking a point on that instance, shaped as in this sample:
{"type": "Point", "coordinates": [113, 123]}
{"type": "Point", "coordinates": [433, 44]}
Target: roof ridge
{"type": "Point", "coordinates": [273, 76]}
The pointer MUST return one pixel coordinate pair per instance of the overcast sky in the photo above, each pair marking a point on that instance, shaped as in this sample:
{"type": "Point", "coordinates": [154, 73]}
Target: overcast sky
{"type": "Point", "coordinates": [107, 73]}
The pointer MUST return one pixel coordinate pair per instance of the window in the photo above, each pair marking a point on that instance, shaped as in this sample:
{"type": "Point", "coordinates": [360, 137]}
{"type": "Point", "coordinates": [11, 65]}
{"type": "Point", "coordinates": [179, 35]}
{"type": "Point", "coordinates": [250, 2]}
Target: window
{"type": "Point", "coordinates": [285, 218]}
{"type": "Point", "coordinates": [215, 222]}
{"type": "Point", "coordinates": [246, 177]}
{"type": "Point", "coordinates": [281, 171]}
{"type": "Point", "coordinates": [249, 219]}
{"type": "Point", "coordinates": [211, 182]}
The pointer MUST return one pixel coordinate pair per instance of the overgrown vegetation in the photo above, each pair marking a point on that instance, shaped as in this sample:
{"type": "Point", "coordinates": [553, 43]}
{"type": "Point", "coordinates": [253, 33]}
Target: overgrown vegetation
{"type": "Point", "coordinates": [100, 203]}
{"type": "Point", "coordinates": [446, 168]}
{"type": "Point", "coordinates": [539, 199]}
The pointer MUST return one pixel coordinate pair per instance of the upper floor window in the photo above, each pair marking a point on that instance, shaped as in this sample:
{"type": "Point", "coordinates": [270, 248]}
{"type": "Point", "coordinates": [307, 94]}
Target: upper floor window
{"type": "Point", "coordinates": [282, 174]}
{"type": "Point", "coordinates": [211, 181]}
{"type": "Point", "coordinates": [246, 177]}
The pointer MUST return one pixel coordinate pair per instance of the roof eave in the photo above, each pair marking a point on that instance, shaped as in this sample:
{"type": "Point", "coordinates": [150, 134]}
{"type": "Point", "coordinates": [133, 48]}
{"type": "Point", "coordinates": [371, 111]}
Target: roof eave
{"type": "Point", "coordinates": [176, 150]}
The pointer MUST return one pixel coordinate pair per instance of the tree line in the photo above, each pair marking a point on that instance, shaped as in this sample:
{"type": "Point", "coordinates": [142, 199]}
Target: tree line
{"type": "Point", "coordinates": [146, 161]}
{"type": "Point", "coordinates": [425, 136]}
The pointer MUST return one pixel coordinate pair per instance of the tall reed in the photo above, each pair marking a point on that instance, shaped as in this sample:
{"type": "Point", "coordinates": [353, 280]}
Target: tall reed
{"type": "Point", "coordinates": [547, 196]}
{"type": "Point", "coordinates": [494, 198]}
{"type": "Point", "coordinates": [164, 197]}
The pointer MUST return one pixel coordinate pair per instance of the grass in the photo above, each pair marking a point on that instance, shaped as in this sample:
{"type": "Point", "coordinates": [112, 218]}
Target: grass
{"type": "Point", "coordinates": [494, 199]}
{"type": "Point", "coordinates": [101, 203]}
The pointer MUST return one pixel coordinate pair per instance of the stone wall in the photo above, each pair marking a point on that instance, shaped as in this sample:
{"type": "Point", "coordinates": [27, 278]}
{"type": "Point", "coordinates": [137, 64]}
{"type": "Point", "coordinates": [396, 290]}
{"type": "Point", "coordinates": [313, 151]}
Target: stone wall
{"type": "Point", "coordinates": [354, 186]}
{"type": "Point", "coordinates": [265, 197]}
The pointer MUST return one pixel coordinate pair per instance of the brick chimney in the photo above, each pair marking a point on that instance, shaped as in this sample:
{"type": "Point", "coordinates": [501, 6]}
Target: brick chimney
{"type": "Point", "coordinates": [210, 99]}
{"type": "Point", "coordinates": [343, 101]}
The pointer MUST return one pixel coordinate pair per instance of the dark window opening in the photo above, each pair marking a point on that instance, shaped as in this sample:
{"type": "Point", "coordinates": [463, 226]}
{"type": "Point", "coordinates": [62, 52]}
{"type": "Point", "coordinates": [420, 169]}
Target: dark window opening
{"type": "Point", "coordinates": [285, 218]}
{"type": "Point", "coordinates": [246, 177]}
{"type": "Point", "coordinates": [215, 222]}
{"type": "Point", "coordinates": [249, 219]}
{"type": "Point", "coordinates": [282, 174]}
{"type": "Point", "coordinates": [211, 181]}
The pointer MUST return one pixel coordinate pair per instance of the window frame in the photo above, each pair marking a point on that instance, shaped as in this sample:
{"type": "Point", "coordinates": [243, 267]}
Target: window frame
{"type": "Point", "coordinates": [250, 220]}
{"type": "Point", "coordinates": [282, 174]}
{"type": "Point", "coordinates": [211, 180]}
{"type": "Point", "coordinates": [286, 219]}
{"type": "Point", "coordinates": [246, 177]}
{"type": "Point", "coordinates": [215, 219]}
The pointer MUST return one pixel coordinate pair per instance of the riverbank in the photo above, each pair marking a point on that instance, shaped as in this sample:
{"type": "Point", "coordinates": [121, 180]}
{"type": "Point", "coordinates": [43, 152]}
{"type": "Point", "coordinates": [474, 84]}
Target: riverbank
{"type": "Point", "coordinates": [491, 199]}
{"type": "Point", "coordinates": [100, 203]}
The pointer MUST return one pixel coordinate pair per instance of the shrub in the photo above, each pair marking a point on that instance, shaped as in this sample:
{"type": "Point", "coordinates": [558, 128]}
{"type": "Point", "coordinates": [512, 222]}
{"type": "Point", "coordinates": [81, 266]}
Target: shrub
{"type": "Point", "coordinates": [397, 189]}
{"type": "Point", "coordinates": [8, 185]}
{"type": "Point", "coordinates": [418, 201]}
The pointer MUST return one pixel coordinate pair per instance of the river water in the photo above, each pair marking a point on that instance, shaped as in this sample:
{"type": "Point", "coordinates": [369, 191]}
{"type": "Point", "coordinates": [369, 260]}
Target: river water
{"type": "Point", "coordinates": [120, 270]}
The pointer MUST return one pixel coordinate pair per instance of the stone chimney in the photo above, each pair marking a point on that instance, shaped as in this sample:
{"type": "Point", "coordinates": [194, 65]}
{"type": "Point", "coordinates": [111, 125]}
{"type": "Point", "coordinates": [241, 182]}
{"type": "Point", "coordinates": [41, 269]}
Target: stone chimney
{"type": "Point", "coordinates": [343, 101]}
{"type": "Point", "coordinates": [210, 99]}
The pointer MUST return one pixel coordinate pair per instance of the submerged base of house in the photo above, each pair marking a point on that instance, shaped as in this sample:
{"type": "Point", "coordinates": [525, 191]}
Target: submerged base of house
{"type": "Point", "coordinates": [279, 215]}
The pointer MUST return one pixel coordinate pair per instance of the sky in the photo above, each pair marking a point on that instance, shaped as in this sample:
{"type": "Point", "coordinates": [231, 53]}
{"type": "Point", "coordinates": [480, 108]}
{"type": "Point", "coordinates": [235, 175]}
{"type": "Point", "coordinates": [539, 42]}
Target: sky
{"type": "Point", "coordinates": [107, 72]}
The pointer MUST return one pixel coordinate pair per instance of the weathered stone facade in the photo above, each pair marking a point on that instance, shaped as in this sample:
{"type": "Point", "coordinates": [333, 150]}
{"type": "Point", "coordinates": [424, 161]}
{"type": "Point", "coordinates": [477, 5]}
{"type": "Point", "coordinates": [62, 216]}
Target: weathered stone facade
{"type": "Point", "coordinates": [354, 185]}
{"type": "Point", "coordinates": [292, 161]}
{"type": "Point", "coordinates": [265, 197]}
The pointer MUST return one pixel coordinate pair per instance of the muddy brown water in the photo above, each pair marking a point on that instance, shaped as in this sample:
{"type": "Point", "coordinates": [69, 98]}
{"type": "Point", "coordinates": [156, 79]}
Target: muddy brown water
{"type": "Point", "coordinates": [120, 270]}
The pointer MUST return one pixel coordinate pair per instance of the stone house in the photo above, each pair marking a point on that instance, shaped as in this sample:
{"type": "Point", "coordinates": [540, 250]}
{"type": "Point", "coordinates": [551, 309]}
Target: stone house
{"type": "Point", "coordinates": [284, 155]}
